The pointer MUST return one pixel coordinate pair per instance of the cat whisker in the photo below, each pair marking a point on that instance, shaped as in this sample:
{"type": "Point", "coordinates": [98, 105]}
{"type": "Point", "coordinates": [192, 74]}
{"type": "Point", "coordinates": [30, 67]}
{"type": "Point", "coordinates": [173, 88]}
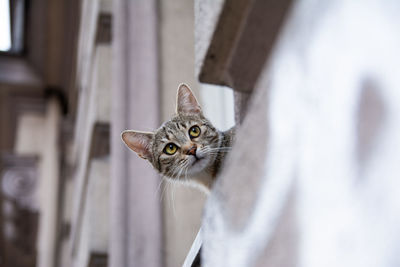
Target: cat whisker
{"type": "Point", "coordinates": [187, 167]}
{"type": "Point", "coordinates": [218, 148]}
{"type": "Point", "coordinates": [181, 169]}
{"type": "Point", "coordinates": [159, 187]}
{"type": "Point", "coordinates": [170, 174]}
{"type": "Point", "coordinates": [172, 171]}
{"type": "Point", "coordinates": [214, 152]}
{"type": "Point", "coordinates": [163, 191]}
{"type": "Point", "coordinates": [173, 200]}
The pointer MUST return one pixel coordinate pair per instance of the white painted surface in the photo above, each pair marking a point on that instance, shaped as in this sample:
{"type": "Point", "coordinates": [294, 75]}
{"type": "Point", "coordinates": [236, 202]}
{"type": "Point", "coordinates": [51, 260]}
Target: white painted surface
{"type": "Point", "coordinates": [98, 205]}
{"type": "Point", "coordinates": [333, 77]}
{"type": "Point", "coordinates": [94, 235]}
{"type": "Point", "coordinates": [94, 107]}
{"type": "Point", "coordinates": [217, 105]}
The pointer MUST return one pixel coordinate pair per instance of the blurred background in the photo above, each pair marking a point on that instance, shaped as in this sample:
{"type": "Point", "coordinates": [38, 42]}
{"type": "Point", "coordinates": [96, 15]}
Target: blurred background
{"type": "Point", "coordinates": [59, 100]}
{"type": "Point", "coordinates": [312, 86]}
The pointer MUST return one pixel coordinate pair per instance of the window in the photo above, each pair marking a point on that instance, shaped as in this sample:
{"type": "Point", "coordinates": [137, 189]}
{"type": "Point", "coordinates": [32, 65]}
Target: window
{"type": "Point", "coordinates": [12, 20]}
{"type": "Point", "coordinates": [5, 26]}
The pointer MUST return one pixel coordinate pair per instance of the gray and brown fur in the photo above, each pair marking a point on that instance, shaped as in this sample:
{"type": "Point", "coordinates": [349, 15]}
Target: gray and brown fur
{"type": "Point", "coordinates": [197, 161]}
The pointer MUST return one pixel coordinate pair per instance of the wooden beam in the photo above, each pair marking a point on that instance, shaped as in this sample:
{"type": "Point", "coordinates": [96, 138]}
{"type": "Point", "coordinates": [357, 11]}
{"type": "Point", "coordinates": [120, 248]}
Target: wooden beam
{"type": "Point", "coordinates": [242, 41]}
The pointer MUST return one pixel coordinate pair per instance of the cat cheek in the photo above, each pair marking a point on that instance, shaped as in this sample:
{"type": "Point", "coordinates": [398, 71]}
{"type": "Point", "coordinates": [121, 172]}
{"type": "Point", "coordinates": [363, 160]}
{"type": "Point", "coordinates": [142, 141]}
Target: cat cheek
{"type": "Point", "coordinates": [142, 156]}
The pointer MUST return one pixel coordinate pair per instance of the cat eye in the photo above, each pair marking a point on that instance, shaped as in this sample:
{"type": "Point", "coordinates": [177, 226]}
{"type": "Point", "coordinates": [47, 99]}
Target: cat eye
{"type": "Point", "coordinates": [170, 149]}
{"type": "Point", "coordinates": [194, 131]}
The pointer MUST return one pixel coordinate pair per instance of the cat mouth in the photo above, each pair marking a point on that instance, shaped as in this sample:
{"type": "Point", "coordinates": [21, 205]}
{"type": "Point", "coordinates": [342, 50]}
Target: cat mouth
{"type": "Point", "coordinates": [197, 160]}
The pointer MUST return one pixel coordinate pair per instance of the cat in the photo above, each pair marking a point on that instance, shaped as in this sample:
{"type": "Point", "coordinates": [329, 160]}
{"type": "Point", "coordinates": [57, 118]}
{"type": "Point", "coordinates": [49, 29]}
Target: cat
{"type": "Point", "coordinates": [187, 148]}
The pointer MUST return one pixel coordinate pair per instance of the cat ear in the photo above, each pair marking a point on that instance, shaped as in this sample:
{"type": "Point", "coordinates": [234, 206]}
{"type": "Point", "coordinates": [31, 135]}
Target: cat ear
{"type": "Point", "coordinates": [186, 102]}
{"type": "Point", "coordinates": [140, 142]}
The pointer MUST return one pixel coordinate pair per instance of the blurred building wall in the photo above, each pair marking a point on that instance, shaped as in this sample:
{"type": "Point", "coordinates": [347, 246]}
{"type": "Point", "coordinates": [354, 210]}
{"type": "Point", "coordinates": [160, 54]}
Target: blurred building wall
{"type": "Point", "coordinates": [313, 177]}
{"type": "Point", "coordinates": [45, 130]}
{"type": "Point", "coordinates": [150, 53]}
{"type": "Point", "coordinates": [182, 206]}
{"type": "Point", "coordinates": [87, 190]}
{"type": "Point", "coordinates": [136, 225]}
{"type": "Point", "coordinates": [35, 83]}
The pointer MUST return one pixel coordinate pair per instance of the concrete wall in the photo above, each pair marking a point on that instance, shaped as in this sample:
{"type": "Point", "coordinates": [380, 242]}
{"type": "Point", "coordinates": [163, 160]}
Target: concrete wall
{"type": "Point", "coordinates": [136, 219]}
{"type": "Point", "coordinates": [35, 130]}
{"type": "Point", "coordinates": [313, 177]}
{"type": "Point", "coordinates": [95, 223]}
{"type": "Point", "coordinates": [182, 206]}
{"type": "Point", "coordinates": [84, 217]}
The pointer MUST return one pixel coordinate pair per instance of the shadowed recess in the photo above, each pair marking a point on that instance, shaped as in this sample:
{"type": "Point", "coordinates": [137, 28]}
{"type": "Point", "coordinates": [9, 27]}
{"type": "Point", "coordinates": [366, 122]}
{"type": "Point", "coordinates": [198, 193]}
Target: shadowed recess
{"type": "Point", "coordinates": [370, 118]}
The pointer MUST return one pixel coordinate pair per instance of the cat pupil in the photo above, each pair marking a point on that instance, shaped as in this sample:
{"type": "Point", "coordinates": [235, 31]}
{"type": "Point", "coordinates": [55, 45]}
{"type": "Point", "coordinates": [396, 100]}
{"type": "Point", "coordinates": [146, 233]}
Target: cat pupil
{"type": "Point", "coordinates": [170, 149]}
{"type": "Point", "coordinates": [194, 131]}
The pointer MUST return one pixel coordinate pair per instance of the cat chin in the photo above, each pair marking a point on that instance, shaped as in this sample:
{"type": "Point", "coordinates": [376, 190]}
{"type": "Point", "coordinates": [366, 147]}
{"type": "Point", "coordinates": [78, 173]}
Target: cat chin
{"type": "Point", "coordinates": [198, 165]}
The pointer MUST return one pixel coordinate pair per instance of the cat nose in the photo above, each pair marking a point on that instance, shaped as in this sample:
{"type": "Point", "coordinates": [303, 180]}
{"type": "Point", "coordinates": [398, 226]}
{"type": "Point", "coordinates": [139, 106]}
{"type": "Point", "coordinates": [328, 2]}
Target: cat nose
{"type": "Point", "coordinates": [192, 150]}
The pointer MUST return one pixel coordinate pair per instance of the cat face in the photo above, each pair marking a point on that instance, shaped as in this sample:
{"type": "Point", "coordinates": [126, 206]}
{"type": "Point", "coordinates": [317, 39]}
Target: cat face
{"type": "Point", "coordinates": [183, 146]}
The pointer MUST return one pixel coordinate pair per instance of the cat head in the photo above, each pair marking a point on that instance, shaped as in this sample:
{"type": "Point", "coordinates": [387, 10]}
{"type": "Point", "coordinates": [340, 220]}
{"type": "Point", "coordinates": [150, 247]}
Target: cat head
{"type": "Point", "coordinates": [181, 147]}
